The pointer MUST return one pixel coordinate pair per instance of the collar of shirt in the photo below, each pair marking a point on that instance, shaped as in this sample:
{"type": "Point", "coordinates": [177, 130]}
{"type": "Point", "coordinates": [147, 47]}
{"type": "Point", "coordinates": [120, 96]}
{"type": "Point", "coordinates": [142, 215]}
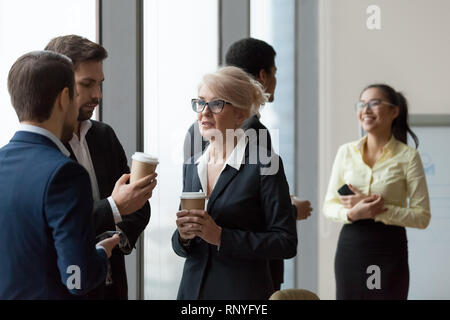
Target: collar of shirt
{"type": "Point", "coordinates": [388, 148]}
{"type": "Point", "coordinates": [84, 128]}
{"type": "Point", "coordinates": [234, 160]}
{"type": "Point", "coordinates": [81, 151]}
{"type": "Point", "coordinates": [46, 133]}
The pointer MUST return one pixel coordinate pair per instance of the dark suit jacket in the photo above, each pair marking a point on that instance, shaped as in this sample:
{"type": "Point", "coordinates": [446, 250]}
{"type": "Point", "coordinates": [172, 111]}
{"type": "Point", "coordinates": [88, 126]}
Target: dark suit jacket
{"type": "Point", "coordinates": [192, 139]}
{"type": "Point", "coordinates": [110, 163]}
{"type": "Point", "coordinates": [46, 222]}
{"type": "Point", "coordinates": [255, 214]}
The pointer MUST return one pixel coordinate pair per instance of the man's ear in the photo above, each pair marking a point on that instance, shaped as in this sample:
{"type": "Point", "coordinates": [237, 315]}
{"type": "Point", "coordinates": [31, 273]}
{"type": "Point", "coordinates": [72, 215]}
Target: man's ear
{"type": "Point", "coordinates": [64, 99]}
{"type": "Point", "coordinates": [262, 77]}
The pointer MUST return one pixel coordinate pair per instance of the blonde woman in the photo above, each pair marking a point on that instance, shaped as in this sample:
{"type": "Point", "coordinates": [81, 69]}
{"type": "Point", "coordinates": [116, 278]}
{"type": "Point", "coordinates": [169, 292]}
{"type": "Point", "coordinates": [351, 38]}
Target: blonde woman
{"type": "Point", "coordinates": [386, 192]}
{"type": "Point", "coordinates": [248, 218]}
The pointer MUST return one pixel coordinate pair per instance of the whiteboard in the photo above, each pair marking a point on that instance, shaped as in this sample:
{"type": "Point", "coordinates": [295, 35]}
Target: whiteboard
{"type": "Point", "coordinates": [429, 249]}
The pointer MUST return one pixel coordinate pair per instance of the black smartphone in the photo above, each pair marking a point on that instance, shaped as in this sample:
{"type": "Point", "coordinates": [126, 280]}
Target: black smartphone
{"type": "Point", "coordinates": [345, 190]}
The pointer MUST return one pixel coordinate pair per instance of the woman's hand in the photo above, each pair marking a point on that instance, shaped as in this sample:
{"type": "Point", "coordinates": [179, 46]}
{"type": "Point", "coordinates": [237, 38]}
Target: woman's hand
{"type": "Point", "coordinates": [367, 208]}
{"type": "Point", "coordinates": [350, 201]}
{"type": "Point", "coordinates": [185, 226]}
{"type": "Point", "coordinates": [198, 223]}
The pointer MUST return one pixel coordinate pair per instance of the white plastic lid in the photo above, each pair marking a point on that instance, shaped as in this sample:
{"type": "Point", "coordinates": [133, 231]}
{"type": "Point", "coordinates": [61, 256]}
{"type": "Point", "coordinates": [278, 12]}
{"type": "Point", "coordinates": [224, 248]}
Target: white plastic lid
{"type": "Point", "coordinates": [193, 195]}
{"type": "Point", "coordinates": [143, 157]}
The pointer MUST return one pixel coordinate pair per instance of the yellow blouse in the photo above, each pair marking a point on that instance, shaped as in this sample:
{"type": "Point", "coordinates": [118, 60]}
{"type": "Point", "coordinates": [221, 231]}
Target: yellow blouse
{"type": "Point", "coordinates": [398, 176]}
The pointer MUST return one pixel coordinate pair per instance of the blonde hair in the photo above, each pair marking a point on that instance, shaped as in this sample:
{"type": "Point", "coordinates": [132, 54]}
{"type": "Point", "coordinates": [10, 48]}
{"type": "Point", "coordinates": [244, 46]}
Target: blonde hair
{"type": "Point", "coordinates": [237, 87]}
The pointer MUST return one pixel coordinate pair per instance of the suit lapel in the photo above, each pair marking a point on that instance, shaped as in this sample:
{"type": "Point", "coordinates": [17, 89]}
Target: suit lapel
{"type": "Point", "coordinates": [97, 156]}
{"type": "Point", "coordinates": [196, 185]}
{"type": "Point", "coordinates": [72, 155]}
{"type": "Point", "coordinates": [224, 179]}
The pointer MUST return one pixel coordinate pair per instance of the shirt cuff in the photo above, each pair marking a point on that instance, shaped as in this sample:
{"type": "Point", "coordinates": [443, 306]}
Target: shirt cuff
{"type": "Point", "coordinates": [115, 211]}
{"type": "Point", "coordinates": [343, 216]}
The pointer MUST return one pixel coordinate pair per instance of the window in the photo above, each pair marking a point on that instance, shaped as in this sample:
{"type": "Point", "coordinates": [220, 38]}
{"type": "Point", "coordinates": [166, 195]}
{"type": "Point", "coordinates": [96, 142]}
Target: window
{"type": "Point", "coordinates": [29, 25]}
{"type": "Point", "coordinates": [180, 46]}
{"type": "Point", "coordinates": [274, 22]}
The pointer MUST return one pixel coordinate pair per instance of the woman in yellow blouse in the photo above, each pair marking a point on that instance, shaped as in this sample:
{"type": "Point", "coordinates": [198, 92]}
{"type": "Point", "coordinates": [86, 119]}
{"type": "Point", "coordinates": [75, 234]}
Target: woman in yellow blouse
{"type": "Point", "coordinates": [390, 193]}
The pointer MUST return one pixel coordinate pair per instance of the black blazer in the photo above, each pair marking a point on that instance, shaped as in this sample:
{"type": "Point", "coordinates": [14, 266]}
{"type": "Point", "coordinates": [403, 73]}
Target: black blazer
{"type": "Point", "coordinates": [110, 163]}
{"type": "Point", "coordinates": [191, 155]}
{"type": "Point", "coordinates": [255, 214]}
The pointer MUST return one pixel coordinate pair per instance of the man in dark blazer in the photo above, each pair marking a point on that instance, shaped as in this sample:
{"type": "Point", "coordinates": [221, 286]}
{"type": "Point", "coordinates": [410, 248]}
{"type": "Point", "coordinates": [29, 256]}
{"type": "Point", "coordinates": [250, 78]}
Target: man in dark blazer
{"type": "Point", "coordinates": [117, 205]}
{"type": "Point", "coordinates": [257, 58]}
{"type": "Point", "coordinates": [47, 240]}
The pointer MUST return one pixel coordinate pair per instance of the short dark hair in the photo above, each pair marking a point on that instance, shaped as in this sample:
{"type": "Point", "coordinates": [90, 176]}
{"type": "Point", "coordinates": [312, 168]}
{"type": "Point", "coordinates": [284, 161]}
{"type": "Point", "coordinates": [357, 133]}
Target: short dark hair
{"type": "Point", "coordinates": [251, 55]}
{"type": "Point", "coordinates": [35, 81]}
{"type": "Point", "coordinates": [78, 49]}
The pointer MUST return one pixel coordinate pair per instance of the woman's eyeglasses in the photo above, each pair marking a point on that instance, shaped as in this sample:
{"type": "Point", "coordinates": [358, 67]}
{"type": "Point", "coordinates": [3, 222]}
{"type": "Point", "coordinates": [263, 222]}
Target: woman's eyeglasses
{"type": "Point", "coordinates": [372, 104]}
{"type": "Point", "coordinates": [215, 106]}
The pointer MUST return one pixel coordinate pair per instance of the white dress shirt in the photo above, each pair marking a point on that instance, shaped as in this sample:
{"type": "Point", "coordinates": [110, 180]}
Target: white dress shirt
{"type": "Point", "coordinates": [80, 149]}
{"type": "Point", "coordinates": [234, 160]}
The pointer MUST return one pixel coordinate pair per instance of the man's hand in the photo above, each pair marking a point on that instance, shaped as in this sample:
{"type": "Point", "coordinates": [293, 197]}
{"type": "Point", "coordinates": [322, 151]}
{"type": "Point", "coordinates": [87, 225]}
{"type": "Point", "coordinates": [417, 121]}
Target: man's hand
{"type": "Point", "coordinates": [109, 244]}
{"type": "Point", "coordinates": [351, 200]}
{"type": "Point", "coordinates": [303, 208]}
{"type": "Point", "coordinates": [131, 197]}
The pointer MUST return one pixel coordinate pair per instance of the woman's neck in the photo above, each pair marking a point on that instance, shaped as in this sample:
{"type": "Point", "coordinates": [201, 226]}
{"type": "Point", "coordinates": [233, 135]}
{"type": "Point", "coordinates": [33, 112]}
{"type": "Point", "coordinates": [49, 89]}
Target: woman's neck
{"type": "Point", "coordinates": [218, 152]}
{"type": "Point", "coordinates": [376, 142]}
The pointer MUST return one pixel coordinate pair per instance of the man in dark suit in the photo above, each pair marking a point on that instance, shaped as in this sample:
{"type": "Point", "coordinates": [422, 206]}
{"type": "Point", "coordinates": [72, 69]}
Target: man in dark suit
{"type": "Point", "coordinates": [47, 240]}
{"type": "Point", "coordinates": [257, 58]}
{"type": "Point", "coordinates": [117, 205]}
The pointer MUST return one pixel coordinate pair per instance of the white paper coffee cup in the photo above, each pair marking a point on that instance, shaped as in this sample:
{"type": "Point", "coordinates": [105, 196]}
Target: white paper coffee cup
{"type": "Point", "coordinates": [143, 165]}
{"type": "Point", "coordinates": [193, 200]}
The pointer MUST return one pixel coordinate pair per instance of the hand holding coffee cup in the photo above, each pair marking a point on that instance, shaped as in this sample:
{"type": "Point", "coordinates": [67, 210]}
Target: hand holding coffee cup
{"type": "Point", "coordinates": [186, 230]}
{"type": "Point", "coordinates": [189, 201]}
{"type": "Point", "coordinates": [129, 198]}
{"type": "Point", "coordinates": [198, 223]}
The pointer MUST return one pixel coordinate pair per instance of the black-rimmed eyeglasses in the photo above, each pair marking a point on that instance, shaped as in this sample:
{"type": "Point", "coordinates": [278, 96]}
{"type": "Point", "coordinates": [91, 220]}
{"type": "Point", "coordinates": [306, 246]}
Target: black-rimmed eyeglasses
{"type": "Point", "coordinates": [372, 104]}
{"type": "Point", "coordinates": [215, 106]}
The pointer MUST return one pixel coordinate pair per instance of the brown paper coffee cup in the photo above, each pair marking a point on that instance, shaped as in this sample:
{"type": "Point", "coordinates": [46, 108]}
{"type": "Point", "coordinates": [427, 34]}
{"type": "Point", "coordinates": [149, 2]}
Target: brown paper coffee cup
{"type": "Point", "coordinates": [143, 165]}
{"type": "Point", "coordinates": [193, 201]}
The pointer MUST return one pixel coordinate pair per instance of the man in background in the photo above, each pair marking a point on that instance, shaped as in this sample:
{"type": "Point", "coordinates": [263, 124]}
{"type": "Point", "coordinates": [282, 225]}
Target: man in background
{"type": "Point", "coordinates": [117, 205]}
{"type": "Point", "coordinates": [47, 240]}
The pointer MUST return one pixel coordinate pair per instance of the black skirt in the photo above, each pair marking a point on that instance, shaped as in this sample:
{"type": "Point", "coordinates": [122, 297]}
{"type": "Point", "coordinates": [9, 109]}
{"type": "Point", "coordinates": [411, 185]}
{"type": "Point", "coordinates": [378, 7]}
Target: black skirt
{"type": "Point", "coordinates": [372, 262]}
